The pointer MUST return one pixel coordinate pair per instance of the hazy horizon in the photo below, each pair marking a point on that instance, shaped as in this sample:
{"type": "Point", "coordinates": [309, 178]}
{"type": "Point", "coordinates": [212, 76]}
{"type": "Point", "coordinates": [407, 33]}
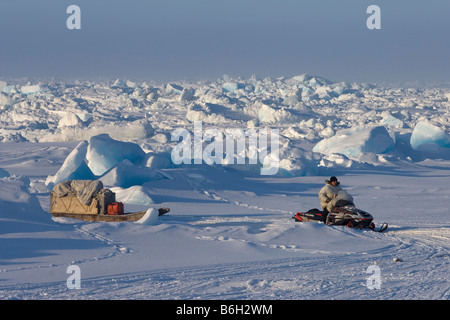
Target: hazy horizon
{"type": "Point", "coordinates": [199, 39]}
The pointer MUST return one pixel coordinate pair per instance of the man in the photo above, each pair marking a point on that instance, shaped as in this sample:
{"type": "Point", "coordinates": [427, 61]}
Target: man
{"type": "Point", "coordinates": [329, 192]}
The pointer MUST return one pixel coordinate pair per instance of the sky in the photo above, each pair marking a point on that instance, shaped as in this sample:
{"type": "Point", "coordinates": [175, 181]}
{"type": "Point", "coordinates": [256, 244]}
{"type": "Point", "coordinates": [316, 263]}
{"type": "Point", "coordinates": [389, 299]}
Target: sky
{"type": "Point", "coordinates": [165, 40]}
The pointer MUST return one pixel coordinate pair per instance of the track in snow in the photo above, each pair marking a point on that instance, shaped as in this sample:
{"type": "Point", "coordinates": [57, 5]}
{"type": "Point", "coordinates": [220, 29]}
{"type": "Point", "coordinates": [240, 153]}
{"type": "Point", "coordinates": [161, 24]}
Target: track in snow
{"type": "Point", "coordinates": [421, 273]}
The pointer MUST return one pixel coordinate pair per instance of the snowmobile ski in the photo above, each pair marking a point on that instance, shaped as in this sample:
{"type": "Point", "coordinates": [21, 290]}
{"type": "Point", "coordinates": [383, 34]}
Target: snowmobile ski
{"type": "Point", "coordinates": [382, 228]}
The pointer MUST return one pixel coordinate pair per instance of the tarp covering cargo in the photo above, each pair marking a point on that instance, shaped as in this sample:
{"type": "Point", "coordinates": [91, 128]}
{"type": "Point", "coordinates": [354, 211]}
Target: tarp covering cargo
{"type": "Point", "coordinates": [80, 196]}
{"type": "Point", "coordinates": [85, 190]}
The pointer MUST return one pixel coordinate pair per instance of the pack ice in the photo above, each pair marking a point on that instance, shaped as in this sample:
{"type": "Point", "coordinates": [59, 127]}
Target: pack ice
{"type": "Point", "coordinates": [230, 233]}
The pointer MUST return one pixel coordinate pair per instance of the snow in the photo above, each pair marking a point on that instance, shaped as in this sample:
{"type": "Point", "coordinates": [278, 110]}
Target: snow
{"type": "Point", "coordinates": [150, 218]}
{"type": "Point", "coordinates": [229, 233]}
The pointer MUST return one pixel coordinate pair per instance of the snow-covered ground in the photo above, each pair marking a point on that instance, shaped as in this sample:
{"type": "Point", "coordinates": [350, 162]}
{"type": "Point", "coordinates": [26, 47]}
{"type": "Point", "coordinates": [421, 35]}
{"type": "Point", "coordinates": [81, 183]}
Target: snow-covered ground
{"type": "Point", "coordinates": [230, 232]}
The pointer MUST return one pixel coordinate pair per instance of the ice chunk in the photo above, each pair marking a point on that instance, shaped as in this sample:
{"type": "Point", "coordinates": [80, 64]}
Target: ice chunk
{"type": "Point", "coordinates": [138, 129]}
{"type": "Point", "coordinates": [31, 89]}
{"type": "Point", "coordinates": [334, 159]}
{"type": "Point", "coordinates": [391, 121]}
{"type": "Point", "coordinates": [9, 89]}
{"type": "Point", "coordinates": [324, 93]}
{"type": "Point", "coordinates": [231, 86]}
{"type": "Point", "coordinates": [187, 94]}
{"type": "Point", "coordinates": [354, 142]}
{"type": "Point", "coordinates": [268, 114]}
{"type": "Point", "coordinates": [194, 114]}
{"type": "Point", "coordinates": [4, 100]}
{"type": "Point", "coordinates": [161, 138]}
{"type": "Point", "coordinates": [104, 153]}
{"type": "Point", "coordinates": [74, 167]}
{"type": "Point", "coordinates": [297, 161]}
{"type": "Point", "coordinates": [126, 174]}
{"type": "Point", "coordinates": [294, 98]}
{"type": "Point", "coordinates": [131, 84]}
{"type": "Point", "coordinates": [158, 161]}
{"type": "Point", "coordinates": [339, 90]}
{"type": "Point", "coordinates": [302, 77]}
{"type": "Point", "coordinates": [316, 82]}
{"type": "Point", "coordinates": [426, 133]}
{"type": "Point", "coordinates": [11, 136]}
{"type": "Point", "coordinates": [118, 83]}
{"type": "Point", "coordinates": [70, 119]}
{"type": "Point", "coordinates": [174, 88]}
{"type": "Point", "coordinates": [2, 85]}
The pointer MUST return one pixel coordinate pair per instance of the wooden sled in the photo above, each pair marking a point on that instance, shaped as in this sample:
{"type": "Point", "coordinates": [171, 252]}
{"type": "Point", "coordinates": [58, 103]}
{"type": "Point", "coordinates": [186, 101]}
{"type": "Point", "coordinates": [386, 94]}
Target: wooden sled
{"type": "Point", "coordinates": [132, 216]}
{"type": "Point", "coordinates": [70, 206]}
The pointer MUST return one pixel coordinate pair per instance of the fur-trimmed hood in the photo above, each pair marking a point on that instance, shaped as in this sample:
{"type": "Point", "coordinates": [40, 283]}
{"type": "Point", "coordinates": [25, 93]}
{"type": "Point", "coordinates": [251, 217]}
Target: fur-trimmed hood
{"type": "Point", "coordinates": [329, 182]}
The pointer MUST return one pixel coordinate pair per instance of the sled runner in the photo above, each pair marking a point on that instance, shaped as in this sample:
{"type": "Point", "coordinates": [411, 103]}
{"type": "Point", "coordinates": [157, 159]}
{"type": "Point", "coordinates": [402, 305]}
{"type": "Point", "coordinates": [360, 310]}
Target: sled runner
{"type": "Point", "coordinates": [343, 214]}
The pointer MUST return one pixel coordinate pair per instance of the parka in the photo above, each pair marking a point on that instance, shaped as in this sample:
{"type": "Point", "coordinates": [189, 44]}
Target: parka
{"type": "Point", "coordinates": [328, 193]}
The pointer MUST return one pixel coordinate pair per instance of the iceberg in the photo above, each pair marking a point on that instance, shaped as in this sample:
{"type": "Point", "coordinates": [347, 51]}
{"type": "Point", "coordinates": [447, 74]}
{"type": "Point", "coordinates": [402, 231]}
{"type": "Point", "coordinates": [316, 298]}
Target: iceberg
{"type": "Point", "coordinates": [425, 133]}
{"type": "Point", "coordinates": [104, 153]}
{"type": "Point", "coordinates": [126, 174]}
{"type": "Point", "coordinates": [73, 168]}
{"type": "Point", "coordinates": [115, 163]}
{"type": "Point", "coordinates": [354, 142]}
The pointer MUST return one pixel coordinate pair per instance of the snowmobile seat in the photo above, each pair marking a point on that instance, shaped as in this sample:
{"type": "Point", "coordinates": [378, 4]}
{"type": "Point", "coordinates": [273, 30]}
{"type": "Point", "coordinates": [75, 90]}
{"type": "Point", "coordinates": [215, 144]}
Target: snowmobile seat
{"type": "Point", "coordinates": [343, 203]}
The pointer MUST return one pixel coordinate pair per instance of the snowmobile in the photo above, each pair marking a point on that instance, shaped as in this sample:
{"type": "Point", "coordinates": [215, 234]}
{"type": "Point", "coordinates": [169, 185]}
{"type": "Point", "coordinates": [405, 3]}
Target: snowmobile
{"type": "Point", "coordinates": [344, 213]}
